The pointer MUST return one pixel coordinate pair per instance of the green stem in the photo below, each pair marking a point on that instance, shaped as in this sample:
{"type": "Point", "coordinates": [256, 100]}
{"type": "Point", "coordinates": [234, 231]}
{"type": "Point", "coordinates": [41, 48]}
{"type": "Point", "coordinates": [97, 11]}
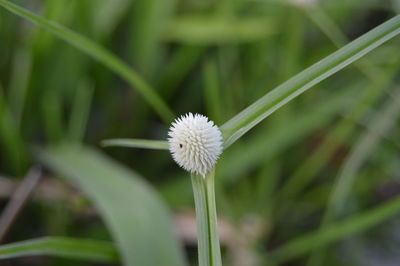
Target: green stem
{"type": "Point", "coordinates": [206, 215]}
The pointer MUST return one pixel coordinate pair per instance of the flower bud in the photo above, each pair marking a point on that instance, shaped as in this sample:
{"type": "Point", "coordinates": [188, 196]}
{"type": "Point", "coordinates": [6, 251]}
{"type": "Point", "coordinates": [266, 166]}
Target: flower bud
{"type": "Point", "coordinates": [195, 143]}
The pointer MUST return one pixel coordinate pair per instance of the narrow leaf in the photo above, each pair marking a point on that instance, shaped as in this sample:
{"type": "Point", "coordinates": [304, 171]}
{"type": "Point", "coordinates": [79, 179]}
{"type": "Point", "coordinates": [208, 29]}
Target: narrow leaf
{"type": "Point", "coordinates": [335, 232]}
{"type": "Point", "coordinates": [267, 144]}
{"type": "Point", "coordinates": [98, 53]}
{"type": "Point", "coordinates": [341, 131]}
{"type": "Point", "coordinates": [107, 15]}
{"type": "Point", "coordinates": [63, 247]}
{"type": "Point", "coordinates": [383, 121]}
{"type": "Point", "coordinates": [136, 143]}
{"type": "Point", "coordinates": [137, 218]}
{"type": "Point", "coordinates": [80, 111]}
{"type": "Point", "coordinates": [206, 30]}
{"type": "Point", "coordinates": [272, 101]}
{"type": "Point", "coordinates": [11, 139]}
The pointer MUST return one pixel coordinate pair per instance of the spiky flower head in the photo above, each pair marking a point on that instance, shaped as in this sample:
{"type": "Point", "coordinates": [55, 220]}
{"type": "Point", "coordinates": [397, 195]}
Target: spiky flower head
{"type": "Point", "coordinates": [195, 143]}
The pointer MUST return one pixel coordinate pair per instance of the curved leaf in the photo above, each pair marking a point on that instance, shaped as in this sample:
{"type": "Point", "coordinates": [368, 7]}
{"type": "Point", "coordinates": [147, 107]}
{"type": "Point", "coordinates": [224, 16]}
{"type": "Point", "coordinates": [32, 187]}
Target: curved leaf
{"type": "Point", "coordinates": [137, 218]}
{"type": "Point", "coordinates": [335, 232]}
{"type": "Point", "coordinates": [272, 101]}
{"type": "Point", "coordinates": [100, 54]}
{"type": "Point", "coordinates": [64, 247]}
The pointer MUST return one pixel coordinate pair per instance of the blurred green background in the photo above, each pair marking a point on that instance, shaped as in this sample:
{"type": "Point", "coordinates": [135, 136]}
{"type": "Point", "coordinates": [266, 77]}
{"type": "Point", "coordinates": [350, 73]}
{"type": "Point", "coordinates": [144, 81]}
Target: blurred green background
{"type": "Point", "coordinates": [215, 58]}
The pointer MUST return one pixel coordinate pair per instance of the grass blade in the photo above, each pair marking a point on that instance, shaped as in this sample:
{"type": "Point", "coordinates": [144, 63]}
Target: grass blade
{"type": "Point", "coordinates": [136, 143]}
{"type": "Point", "coordinates": [212, 90]}
{"type": "Point", "coordinates": [328, 26]}
{"type": "Point", "coordinates": [11, 139]}
{"type": "Point", "coordinates": [381, 124]}
{"type": "Point", "coordinates": [149, 18]}
{"type": "Point", "coordinates": [52, 113]}
{"type": "Point", "coordinates": [63, 247]}
{"type": "Point", "coordinates": [272, 101]}
{"type": "Point", "coordinates": [20, 75]}
{"type": "Point", "coordinates": [100, 54]}
{"type": "Point", "coordinates": [107, 14]}
{"type": "Point", "coordinates": [205, 30]}
{"type": "Point", "coordinates": [335, 232]}
{"type": "Point", "coordinates": [344, 128]}
{"type": "Point", "coordinates": [267, 144]}
{"type": "Point", "coordinates": [180, 65]}
{"type": "Point", "coordinates": [80, 111]}
{"type": "Point", "coordinates": [143, 231]}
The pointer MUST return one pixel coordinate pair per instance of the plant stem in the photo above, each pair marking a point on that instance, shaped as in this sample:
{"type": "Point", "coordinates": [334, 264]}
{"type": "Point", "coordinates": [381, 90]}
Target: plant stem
{"type": "Point", "coordinates": [206, 215]}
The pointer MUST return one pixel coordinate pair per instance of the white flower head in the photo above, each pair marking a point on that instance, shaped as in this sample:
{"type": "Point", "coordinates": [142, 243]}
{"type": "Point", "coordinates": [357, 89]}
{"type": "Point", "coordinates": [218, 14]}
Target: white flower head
{"type": "Point", "coordinates": [195, 143]}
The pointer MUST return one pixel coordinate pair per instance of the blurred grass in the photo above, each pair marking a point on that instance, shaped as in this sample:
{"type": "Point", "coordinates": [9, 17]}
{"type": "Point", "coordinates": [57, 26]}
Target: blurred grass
{"type": "Point", "coordinates": [214, 58]}
{"type": "Point", "coordinates": [335, 232]}
{"type": "Point", "coordinates": [270, 102]}
{"type": "Point", "coordinates": [12, 141]}
{"type": "Point", "coordinates": [380, 124]}
{"type": "Point", "coordinates": [79, 249]}
{"type": "Point", "coordinates": [100, 54]}
{"type": "Point", "coordinates": [302, 176]}
{"type": "Point", "coordinates": [80, 111]}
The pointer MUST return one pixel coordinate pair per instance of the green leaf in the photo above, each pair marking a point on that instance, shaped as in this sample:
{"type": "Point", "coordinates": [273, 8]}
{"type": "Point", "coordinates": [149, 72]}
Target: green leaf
{"type": "Point", "coordinates": [136, 143]}
{"type": "Point", "coordinates": [268, 143]}
{"type": "Point", "coordinates": [80, 111]}
{"type": "Point", "coordinates": [19, 80]}
{"type": "Point", "coordinates": [272, 101]}
{"type": "Point", "coordinates": [52, 106]}
{"type": "Point", "coordinates": [179, 66]}
{"type": "Point", "coordinates": [148, 20]}
{"type": "Point", "coordinates": [206, 30]}
{"type": "Point", "coordinates": [107, 14]}
{"type": "Point", "coordinates": [341, 131]}
{"type": "Point", "coordinates": [137, 218]}
{"type": "Point", "coordinates": [100, 54]}
{"type": "Point", "coordinates": [212, 91]}
{"type": "Point", "coordinates": [335, 232]}
{"type": "Point", "coordinates": [379, 126]}
{"type": "Point", "coordinates": [383, 122]}
{"type": "Point", "coordinates": [11, 139]}
{"type": "Point", "coordinates": [63, 247]}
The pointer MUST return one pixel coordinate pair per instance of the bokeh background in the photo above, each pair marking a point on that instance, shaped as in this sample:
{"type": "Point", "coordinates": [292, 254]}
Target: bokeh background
{"type": "Point", "coordinates": [215, 58]}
